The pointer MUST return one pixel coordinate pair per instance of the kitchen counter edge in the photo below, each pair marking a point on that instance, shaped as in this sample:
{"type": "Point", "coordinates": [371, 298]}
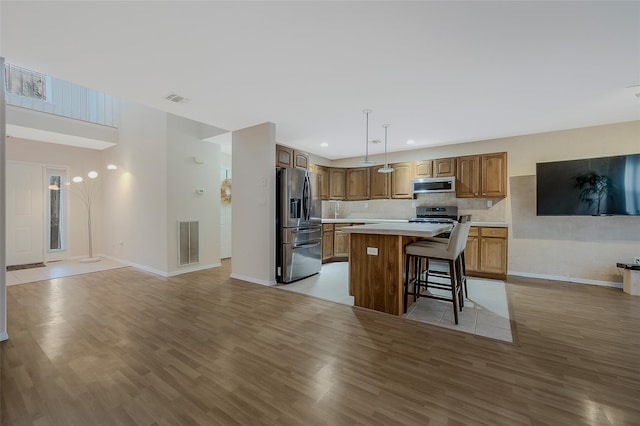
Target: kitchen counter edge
{"type": "Point", "coordinates": [485, 224]}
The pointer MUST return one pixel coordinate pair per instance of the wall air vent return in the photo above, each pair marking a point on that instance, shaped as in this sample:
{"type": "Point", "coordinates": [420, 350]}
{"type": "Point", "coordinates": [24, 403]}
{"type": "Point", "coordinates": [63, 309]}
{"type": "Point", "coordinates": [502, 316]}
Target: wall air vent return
{"type": "Point", "coordinates": [189, 243]}
{"type": "Point", "coordinates": [177, 98]}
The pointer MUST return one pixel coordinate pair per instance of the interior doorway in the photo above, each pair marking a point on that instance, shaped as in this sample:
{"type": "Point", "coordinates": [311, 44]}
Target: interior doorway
{"type": "Point", "coordinates": [25, 214]}
{"type": "Point", "coordinates": [35, 213]}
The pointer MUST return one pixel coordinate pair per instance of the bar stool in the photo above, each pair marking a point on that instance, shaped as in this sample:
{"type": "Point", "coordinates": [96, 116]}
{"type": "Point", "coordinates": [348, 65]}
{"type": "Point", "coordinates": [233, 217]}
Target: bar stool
{"type": "Point", "coordinates": [450, 253]}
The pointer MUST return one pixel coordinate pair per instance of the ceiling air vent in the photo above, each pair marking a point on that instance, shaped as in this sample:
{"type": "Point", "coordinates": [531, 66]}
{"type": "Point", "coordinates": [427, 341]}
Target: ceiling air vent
{"type": "Point", "coordinates": [177, 98]}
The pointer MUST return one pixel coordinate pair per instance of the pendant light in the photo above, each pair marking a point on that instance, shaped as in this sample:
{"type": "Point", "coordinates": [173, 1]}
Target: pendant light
{"type": "Point", "coordinates": [366, 142]}
{"type": "Point", "coordinates": [386, 168]}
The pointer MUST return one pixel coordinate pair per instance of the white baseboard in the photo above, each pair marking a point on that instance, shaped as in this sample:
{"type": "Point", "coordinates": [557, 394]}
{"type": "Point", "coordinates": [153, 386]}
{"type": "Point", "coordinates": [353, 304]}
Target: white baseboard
{"type": "Point", "coordinates": [159, 272]}
{"type": "Point", "coordinates": [136, 265]}
{"type": "Point", "coordinates": [573, 280]}
{"type": "Point", "coordinates": [193, 269]}
{"type": "Point", "coordinates": [3, 336]}
{"type": "Point", "coordinates": [253, 280]}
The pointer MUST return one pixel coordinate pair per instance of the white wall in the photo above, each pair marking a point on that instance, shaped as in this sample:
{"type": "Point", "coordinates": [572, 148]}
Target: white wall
{"type": "Point", "coordinates": [253, 228]}
{"type": "Point", "coordinates": [136, 201]}
{"type": "Point", "coordinates": [79, 162]}
{"type": "Point", "coordinates": [581, 251]}
{"type": "Point", "coordinates": [184, 176]}
{"type": "Point", "coordinates": [3, 263]}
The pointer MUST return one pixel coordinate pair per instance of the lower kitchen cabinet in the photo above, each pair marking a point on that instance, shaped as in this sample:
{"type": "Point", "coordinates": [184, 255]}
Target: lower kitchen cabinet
{"type": "Point", "coordinates": [486, 252]}
{"type": "Point", "coordinates": [335, 242]}
{"type": "Point", "coordinates": [327, 241]}
{"type": "Point", "coordinates": [341, 241]}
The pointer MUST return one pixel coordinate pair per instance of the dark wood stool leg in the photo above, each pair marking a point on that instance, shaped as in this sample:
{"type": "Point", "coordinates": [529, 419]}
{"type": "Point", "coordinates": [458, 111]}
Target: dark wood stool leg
{"type": "Point", "coordinates": [464, 274]}
{"type": "Point", "coordinates": [454, 296]}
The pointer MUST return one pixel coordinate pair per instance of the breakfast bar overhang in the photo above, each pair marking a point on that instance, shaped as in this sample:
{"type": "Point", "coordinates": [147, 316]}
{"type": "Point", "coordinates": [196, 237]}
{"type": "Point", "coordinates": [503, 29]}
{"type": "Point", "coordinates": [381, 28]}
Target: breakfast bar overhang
{"type": "Point", "coordinates": [376, 262]}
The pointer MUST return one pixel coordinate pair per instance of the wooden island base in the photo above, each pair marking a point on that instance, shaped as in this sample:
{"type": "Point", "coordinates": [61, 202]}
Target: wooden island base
{"type": "Point", "coordinates": [375, 281]}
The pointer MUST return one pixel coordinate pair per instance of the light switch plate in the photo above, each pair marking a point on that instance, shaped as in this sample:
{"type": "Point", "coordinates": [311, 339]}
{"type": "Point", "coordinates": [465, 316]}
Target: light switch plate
{"type": "Point", "coordinates": [372, 251]}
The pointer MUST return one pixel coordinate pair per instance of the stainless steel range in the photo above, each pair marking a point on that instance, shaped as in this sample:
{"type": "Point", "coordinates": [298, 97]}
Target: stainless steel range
{"type": "Point", "coordinates": [437, 214]}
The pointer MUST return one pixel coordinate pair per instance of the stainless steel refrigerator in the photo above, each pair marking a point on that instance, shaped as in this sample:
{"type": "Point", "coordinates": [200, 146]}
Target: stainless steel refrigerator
{"type": "Point", "coordinates": [298, 224]}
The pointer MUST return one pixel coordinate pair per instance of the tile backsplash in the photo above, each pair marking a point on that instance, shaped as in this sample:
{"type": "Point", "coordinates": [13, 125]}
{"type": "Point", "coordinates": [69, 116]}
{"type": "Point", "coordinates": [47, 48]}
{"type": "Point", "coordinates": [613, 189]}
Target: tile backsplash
{"type": "Point", "coordinates": [406, 209]}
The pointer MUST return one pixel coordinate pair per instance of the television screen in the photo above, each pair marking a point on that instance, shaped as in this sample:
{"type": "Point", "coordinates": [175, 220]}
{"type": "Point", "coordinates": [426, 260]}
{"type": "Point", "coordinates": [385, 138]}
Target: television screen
{"type": "Point", "coordinates": [589, 187]}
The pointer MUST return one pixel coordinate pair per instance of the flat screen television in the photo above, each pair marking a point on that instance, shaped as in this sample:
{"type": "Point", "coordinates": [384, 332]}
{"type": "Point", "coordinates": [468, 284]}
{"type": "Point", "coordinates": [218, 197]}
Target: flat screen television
{"type": "Point", "coordinates": [589, 187]}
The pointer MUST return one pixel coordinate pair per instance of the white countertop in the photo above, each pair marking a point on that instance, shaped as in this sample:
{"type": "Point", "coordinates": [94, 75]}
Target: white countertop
{"type": "Point", "coordinates": [491, 224]}
{"type": "Point", "coordinates": [353, 220]}
{"type": "Point", "coordinates": [404, 229]}
{"type": "Point", "coordinates": [364, 221]}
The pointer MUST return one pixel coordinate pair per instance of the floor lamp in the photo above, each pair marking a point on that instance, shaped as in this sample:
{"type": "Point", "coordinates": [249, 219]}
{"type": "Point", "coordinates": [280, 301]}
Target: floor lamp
{"type": "Point", "coordinates": [86, 190]}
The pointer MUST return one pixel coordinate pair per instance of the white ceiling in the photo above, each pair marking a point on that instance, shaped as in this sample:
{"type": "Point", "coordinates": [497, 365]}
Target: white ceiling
{"type": "Point", "coordinates": [437, 72]}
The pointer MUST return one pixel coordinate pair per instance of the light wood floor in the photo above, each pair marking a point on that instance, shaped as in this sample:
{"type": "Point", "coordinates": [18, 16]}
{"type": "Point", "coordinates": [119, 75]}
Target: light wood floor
{"type": "Point", "coordinates": [126, 347]}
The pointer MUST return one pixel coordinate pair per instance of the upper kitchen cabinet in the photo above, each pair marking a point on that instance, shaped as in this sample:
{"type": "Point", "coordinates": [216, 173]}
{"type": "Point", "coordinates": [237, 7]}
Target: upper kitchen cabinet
{"type": "Point", "coordinates": [380, 184]}
{"type": "Point", "coordinates": [288, 157]}
{"type": "Point", "coordinates": [337, 187]}
{"type": "Point", "coordinates": [468, 176]}
{"type": "Point", "coordinates": [300, 160]}
{"type": "Point", "coordinates": [401, 180]}
{"type": "Point", "coordinates": [424, 169]}
{"type": "Point", "coordinates": [444, 167]}
{"type": "Point", "coordinates": [494, 175]}
{"type": "Point", "coordinates": [324, 181]}
{"type": "Point", "coordinates": [482, 176]}
{"type": "Point", "coordinates": [358, 184]}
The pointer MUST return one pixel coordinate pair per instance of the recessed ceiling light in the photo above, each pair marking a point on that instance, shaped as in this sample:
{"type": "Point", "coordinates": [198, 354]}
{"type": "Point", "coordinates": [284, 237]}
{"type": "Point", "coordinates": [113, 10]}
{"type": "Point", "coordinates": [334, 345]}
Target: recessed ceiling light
{"type": "Point", "coordinates": [411, 142]}
{"type": "Point", "coordinates": [324, 144]}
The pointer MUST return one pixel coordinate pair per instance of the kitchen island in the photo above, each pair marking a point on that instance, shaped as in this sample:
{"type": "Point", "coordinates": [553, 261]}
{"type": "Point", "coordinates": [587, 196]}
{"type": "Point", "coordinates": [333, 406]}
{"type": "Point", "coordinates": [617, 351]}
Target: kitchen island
{"type": "Point", "coordinates": [376, 262]}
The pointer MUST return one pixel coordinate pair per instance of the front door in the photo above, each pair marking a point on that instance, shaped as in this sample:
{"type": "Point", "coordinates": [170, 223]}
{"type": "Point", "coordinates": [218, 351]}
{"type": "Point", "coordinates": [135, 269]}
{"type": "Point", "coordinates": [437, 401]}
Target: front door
{"type": "Point", "coordinates": [25, 213]}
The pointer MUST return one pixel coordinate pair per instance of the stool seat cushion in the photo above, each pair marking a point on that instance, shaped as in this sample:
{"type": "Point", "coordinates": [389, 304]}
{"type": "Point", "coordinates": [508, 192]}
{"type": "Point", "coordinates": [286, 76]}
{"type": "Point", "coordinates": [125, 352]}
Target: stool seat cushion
{"type": "Point", "coordinates": [438, 250]}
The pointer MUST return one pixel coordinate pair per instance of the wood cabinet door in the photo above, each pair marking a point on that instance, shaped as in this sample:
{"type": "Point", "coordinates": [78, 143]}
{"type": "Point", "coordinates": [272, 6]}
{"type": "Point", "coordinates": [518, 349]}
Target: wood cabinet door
{"type": "Point", "coordinates": [301, 160]}
{"type": "Point", "coordinates": [493, 255]}
{"type": "Point", "coordinates": [444, 167]}
{"type": "Point", "coordinates": [468, 176]}
{"type": "Point", "coordinates": [494, 175]}
{"type": "Point", "coordinates": [424, 169]}
{"type": "Point", "coordinates": [284, 156]}
{"type": "Point", "coordinates": [401, 180]}
{"type": "Point", "coordinates": [337, 184]}
{"type": "Point", "coordinates": [358, 185]}
{"type": "Point", "coordinates": [380, 184]}
{"type": "Point", "coordinates": [327, 244]}
{"type": "Point", "coordinates": [341, 242]}
{"type": "Point", "coordinates": [471, 254]}
{"type": "Point", "coordinates": [324, 181]}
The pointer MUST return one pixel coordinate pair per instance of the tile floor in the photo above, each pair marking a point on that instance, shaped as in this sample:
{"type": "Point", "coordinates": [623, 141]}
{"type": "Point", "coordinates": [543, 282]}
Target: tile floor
{"type": "Point", "coordinates": [485, 312]}
{"type": "Point", "coordinates": [59, 269]}
{"type": "Point", "coordinates": [332, 283]}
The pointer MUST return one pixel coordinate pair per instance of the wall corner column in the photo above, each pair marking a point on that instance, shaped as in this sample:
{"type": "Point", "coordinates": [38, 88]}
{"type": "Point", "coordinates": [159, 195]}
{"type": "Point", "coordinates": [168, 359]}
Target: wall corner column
{"type": "Point", "coordinates": [3, 214]}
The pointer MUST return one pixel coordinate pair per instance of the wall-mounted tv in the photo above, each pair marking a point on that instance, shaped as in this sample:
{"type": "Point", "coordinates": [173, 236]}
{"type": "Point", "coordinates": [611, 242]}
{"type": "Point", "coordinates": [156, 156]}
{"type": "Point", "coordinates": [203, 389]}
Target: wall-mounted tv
{"type": "Point", "coordinates": [590, 187]}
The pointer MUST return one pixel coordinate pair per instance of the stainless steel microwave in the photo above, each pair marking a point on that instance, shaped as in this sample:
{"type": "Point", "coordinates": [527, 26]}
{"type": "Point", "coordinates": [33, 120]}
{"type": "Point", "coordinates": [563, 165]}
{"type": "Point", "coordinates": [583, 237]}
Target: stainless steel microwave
{"type": "Point", "coordinates": [429, 185]}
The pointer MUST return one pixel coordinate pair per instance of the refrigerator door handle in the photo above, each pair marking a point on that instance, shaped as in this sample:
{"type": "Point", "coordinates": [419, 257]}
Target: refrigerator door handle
{"type": "Point", "coordinates": [306, 245]}
{"type": "Point", "coordinates": [305, 198]}
{"type": "Point", "coordinates": [310, 196]}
